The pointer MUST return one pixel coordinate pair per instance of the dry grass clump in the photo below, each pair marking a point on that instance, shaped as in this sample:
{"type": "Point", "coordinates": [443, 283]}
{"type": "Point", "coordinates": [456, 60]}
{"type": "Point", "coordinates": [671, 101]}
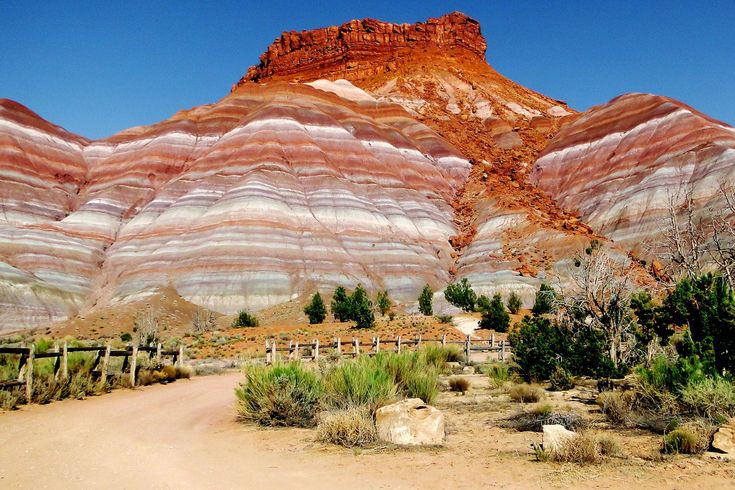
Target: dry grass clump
{"type": "Point", "coordinates": [10, 399]}
{"type": "Point", "coordinates": [584, 448]}
{"type": "Point", "coordinates": [184, 372]}
{"type": "Point", "coordinates": [691, 438]}
{"type": "Point", "coordinates": [526, 393]}
{"type": "Point", "coordinates": [348, 427]}
{"type": "Point", "coordinates": [459, 384]}
{"type": "Point", "coordinates": [617, 406]}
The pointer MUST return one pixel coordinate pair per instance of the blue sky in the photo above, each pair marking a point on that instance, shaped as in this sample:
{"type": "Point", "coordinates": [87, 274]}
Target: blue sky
{"type": "Point", "coordinates": [99, 67]}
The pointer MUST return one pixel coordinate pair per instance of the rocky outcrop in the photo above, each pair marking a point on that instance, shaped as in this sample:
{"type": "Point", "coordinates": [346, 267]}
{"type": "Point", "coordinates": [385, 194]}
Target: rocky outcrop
{"type": "Point", "coordinates": [268, 194]}
{"type": "Point", "coordinates": [723, 442]}
{"type": "Point", "coordinates": [410, 423]}
{"type": "Point", "coordinates": [555, 436]}
{"type": "Point", "coordinates": [618, 164]}
{"type": "Point", "coordinates": [363, 48]}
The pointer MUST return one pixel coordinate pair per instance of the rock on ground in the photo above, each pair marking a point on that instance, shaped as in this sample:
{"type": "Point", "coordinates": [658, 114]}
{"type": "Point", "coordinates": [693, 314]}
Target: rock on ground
{"type": "Point", "coordinates": [555, 436]}
{"type": "Point", "coordinates": [410, 422]}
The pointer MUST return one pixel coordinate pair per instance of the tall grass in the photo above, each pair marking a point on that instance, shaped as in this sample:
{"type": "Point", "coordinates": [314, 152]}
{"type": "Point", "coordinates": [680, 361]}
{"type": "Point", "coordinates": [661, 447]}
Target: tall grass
{"type": "Point", "coordinates": [361, 382]}
{"type": "Point", "coordinates": [280, 395]}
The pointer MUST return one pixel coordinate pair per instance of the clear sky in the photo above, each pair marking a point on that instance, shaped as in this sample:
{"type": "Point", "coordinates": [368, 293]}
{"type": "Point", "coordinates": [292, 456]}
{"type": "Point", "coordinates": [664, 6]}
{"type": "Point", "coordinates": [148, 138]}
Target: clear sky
{"type": "Point", "coordinates": [99, 67]}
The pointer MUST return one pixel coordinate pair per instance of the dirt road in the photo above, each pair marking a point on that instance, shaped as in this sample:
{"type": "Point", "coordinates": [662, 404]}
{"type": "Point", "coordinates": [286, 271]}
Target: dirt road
{"type": "Point", "coordinates": [184, 435]}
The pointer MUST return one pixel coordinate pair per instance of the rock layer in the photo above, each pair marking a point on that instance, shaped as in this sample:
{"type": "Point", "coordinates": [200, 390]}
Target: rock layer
{"type": "Point", "coordinates": [270, 193]}
{"type": "Point", "coordinates": [618, 164]}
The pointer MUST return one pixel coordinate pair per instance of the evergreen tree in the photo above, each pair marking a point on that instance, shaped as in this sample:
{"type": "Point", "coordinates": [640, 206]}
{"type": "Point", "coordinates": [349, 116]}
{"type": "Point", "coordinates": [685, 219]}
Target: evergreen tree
{"type": "Point", "coordinates": [544, 300]}
{"type": "Point", "coordinates": [341, 308]}
{"type": "Point", "coordinates": [361, 308]}
{"type": "Point", "coordinates": [494, 315]}
{"type": "Point", "coordinates": [514, 303]}
{"type": "Point", "coordinates": [383, 302]}
{"type": "Point", "coordinates": [316, 311]}
{"type": "Point", "coordinates": [426, 301]}
{"type": "Point", "coordinates": [461, 295]}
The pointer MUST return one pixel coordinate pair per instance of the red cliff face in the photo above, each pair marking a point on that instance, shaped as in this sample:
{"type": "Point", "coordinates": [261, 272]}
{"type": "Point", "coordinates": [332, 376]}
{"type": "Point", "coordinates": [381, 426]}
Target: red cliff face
{"type": "Point", "coordinates": [363, 48]}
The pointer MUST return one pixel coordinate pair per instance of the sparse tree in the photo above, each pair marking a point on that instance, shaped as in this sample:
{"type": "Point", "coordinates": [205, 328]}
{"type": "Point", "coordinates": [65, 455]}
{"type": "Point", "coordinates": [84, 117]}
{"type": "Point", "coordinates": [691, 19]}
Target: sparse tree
{"type": "Point", "coordinates": [514, 303]}
{"type": "Point", "coordinates": [600, 299]}
{"type": "Point", "coordinates": [383, 302]}
{"type": "Point", "coordinates": [341, 308]}
{"type": "Point", "coordinates": [146, 328]}
{"type": "Point", "coordinates": [426, 301]}
{"type": "Point", "coordinates": [245, 319]}
{"type": "Point", "coordinates": [204, 321]}
{"type": "Point", "coordinates": [315, 310]}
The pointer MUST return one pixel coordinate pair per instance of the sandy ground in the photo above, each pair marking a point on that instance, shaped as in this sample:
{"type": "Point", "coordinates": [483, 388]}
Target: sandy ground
{"type": "Point", "coordinates": [185, 435]}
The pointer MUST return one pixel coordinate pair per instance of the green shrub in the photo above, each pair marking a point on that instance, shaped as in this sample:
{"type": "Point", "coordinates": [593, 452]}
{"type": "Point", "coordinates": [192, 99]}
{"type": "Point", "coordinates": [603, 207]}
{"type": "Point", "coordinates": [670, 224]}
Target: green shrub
{"type": "Point", "coordinates": [498, 372]}
{"type": "Point", "coordinates": [525, 393]}
{"type": "Point", "coordinates": [514, 303]}
{"type": "Point", "coordinates": [561, 380]}
{"type": "Point", "coordinates": [10, 398]}
{"type": "Point", "coordinates": [461, 295]}
{"type": "Point", "coordinates": [245, 319]}
{"type": "Point", "coordinates": [544, 302]}
{"type": "Point", "coordinates": [424, 385]}
{"type": "Point", "coordinates": [444, 318]}
{"type": "Point", "coordinates": [494, 315]}
{"type": "Point", "coordinates": [362, 308]}
{"type": "Point", "coordinates": [672, 375]}
{"type": "Point", "coordinates": [426, 301]}
{"type": "Point", "coordinates": [359, 383]}
{"type": "Point", "coordinates": [690, 438]}
{"type": "Point", "coordinates": [438, 356]}
{"type": "Point", "coordinates": [348, 427]}
{"type": "Point", "coordinates": [412, 373]}
{"type": "Point", "coordinates": [280, 395]}
{"type": "Point", "coordinates": [341, 307]}
{"type": "Point", "coordinates": [713, 398]}
{"type": "Point", "coordinates": [315, 310]}
{"type": "Point", "coordinates": [126, 337]}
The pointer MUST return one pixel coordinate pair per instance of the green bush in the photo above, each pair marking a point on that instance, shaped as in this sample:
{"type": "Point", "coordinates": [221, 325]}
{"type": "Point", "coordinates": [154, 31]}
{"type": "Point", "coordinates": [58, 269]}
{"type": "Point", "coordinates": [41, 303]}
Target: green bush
{"type": "Point", "coordinates": [358, 383]}
{"type": "Point", "coordinates": [10, 399]}
{"type": "Point", "coordinates": [494, 315]}
{"type": "Point", "coordinates": [245, 319]}
{"type": "Point", "coordinates": [498, 372]}
{"type": "Point", "coordinates": [280, 395]}
{"type": "Point", "coordinates": [561, 380]}
{"type": "Point", "coordinates": [544, 302]}
{"type": "Point", "coordinates": [690, 438]}
{"type": "Point", "coordinates": [444, 318]}
{"type": "Point", "coordinates": [713, 398]}
{"type": "Point", "coordinates": [362, 308]}
{"type": "Point", "coordinates": [315, 310]}
{"type": "Point", "coordinates": [514, 303]}
{"type": "Point", "coordinates": [426, 301]}
{"type": "Point", "coordinates": [341, 306]}
{"type": "Point", "coordinates": [126, 337]}
{"type": "Point", "coordinates": [461, 295]}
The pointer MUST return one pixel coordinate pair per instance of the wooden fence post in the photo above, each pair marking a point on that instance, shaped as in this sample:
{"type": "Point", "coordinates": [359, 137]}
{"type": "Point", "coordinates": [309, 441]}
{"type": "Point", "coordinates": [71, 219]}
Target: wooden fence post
{"type": "Point", "coordinates": [444, 340]}
{"type": "Point", "coordinates": [377, 344]}
{"type": "Point", "coordinates": [57, 362]}
{"type": "Point", "coordinates": [418, 343]}
{"type": "Point", "coordinates": [297, 352]}
{"type": "Point", "coordinates": [29, 373]}
{"type": "Point", "coordinates": [133, 365]}
{"type": "Point", "coordinates": [398, 344]}
{"type": "Point", "coordinates": [273, 350]}
{"type": "Point", "coordinates": [339, 346]}
{"type": "Point", "coordinates": [180, 360]}
{"type": "Point", "coordinates": [65, 362]}
{"type": "Point", "coordinates": [492, 340]}
{"type": "Point", "coordinates": [502, 350]}
{"type": "Point", "coordinates": [290, 350]}
{"type": "Point", "coordinates": [105, 365]}
{"type": "Point", "coordinates": [316, 350]}
{"type": "Point", "coordinates": [467, 348]}
{"type": "Point", "coordinates": [356, 345]}
{"type": "Point", "coordinates": [267, 352]}
{"type": "Point", "coordinates": [158, 353]}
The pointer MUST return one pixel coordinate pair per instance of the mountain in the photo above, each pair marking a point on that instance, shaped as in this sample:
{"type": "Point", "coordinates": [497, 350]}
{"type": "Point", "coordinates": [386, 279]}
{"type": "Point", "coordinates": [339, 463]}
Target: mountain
{"type": "Point", "coordinates": [619, 164]}
{"type": "Point", "coordinates": [391, 155]}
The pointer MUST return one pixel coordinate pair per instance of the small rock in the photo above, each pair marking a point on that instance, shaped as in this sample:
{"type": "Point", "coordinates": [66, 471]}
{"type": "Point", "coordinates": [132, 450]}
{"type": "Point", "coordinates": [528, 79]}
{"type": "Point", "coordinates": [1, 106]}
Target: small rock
{"type": "Point", "coordinates": [468, 370]}
{"type": "Point", "coordinates": [410, 422]}
{"type": "Point", "coordinates": [555, 436]}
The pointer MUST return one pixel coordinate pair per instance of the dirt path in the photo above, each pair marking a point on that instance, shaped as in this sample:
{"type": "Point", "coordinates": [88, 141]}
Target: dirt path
{"type": "Point", "coordinates": [184, 436]}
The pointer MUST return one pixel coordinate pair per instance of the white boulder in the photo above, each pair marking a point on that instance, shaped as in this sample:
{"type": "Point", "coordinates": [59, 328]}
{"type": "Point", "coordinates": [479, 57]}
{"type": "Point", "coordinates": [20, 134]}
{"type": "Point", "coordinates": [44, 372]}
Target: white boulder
{"type": "Point", "coordinates": [410, 423]}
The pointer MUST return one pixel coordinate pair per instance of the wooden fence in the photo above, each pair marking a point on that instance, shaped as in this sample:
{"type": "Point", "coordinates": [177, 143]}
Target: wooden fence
{"type": "Point", "coordinates": [354, 348]}
{"type": "Point", "coordinates": [61, 367]}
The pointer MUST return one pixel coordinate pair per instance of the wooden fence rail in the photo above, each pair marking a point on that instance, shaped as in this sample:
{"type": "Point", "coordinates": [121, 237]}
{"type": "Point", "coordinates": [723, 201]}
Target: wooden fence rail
{"type": "Point", "coordinates": [355, 347]}
{"type": "Point", "coordinates": [61, 367]}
